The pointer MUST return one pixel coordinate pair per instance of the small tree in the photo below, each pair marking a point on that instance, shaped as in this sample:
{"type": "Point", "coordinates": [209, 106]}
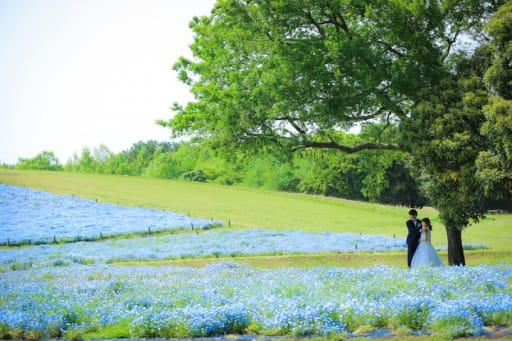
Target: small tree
{"type": "Point", "coordinates": [45, 160]}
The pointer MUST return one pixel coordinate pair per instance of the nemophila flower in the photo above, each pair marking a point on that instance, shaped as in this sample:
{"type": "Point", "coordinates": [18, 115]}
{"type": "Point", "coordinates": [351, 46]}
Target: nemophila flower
{"type": "Point", "coordinates": [206, 244]}
{"type": "Point", "coordinates": [286, 303]}
{"type": "Point", "coordinates": [455, 319]}
{"type": "Point", "coordinates": [223, 298]}
{"type": "Point", "coordinates": [51, 289]}
{"type": "Point", "coordinates": [37, 216]}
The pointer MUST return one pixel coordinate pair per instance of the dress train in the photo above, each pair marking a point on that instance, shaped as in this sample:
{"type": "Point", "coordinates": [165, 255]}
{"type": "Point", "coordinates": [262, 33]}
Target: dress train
{"type": "Point", "coordinates": [425, 254]}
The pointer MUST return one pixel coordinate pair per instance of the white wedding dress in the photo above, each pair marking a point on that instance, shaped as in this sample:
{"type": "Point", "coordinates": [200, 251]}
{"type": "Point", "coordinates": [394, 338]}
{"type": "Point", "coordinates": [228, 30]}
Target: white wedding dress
{"type": "Point", "coordinates": [425, 254]}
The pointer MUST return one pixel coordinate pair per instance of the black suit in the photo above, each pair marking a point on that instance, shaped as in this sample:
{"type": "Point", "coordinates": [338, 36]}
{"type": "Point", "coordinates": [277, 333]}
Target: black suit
{"type": "Point", "coordinates": [413, 236]}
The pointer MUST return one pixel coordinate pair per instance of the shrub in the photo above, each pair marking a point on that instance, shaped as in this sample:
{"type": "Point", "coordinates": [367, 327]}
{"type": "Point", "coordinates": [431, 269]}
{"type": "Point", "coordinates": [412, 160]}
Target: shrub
{"type": "Point", "coordinates": [195, 175]}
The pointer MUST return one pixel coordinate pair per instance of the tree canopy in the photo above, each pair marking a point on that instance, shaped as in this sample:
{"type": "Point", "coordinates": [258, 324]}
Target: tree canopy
{"type": "Point", "coordinates": [295, 72]}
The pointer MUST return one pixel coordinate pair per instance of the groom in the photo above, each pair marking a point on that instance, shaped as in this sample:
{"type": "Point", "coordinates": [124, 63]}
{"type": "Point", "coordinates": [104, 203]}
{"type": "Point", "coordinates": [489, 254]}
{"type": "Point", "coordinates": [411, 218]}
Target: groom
{"type": "Point", "coordinates": [413, 236]}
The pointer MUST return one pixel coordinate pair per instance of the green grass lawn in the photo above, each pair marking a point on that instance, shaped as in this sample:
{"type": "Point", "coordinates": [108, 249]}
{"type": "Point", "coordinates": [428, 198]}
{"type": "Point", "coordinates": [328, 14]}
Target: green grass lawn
{"type": "Point", "coordinates": [244, 207]}
{"type": "Point", "coordinates": [352, 260]}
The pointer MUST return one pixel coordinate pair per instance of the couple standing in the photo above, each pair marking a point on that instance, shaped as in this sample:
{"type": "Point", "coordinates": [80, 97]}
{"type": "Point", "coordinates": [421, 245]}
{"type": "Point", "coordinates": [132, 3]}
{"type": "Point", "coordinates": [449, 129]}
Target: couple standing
{"type": "Point", "coordinates": [420, 251]}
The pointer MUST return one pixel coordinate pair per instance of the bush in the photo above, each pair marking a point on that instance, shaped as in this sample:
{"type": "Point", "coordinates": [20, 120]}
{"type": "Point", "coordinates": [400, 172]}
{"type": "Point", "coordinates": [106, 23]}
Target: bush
{"type": "Point", "coordinates": [195, 175]}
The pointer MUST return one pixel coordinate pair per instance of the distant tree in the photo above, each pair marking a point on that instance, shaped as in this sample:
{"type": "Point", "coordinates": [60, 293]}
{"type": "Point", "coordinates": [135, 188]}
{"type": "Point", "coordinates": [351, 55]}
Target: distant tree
{"type": "Point", "coordinates": [87, 163]}
{"type": "Point", "coordinates": [133, 161]}
{"type": "Point", "coordinates": [367, 175]}
{"type": "Point", "coordinates": [164, 165]}
{"type": "Point", "coordinates": [328, 173]}
{"type": "Point", "coordinates": [403, 188]}
{"type": "Point", "coordinates": [139, 156]}
{"type": "Point", "coordinates": [45, 160]}
{"type": "Point", "coordinates": [6, 165]}
{"type": "Point", "coordinates": [102, 156]}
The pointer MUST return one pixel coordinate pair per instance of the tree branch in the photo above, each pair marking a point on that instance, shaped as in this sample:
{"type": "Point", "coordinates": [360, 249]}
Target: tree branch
{"type": "Point", "coordinates": [340, 24]}
{"type": "Point", "coordinates": [391, 49]}
{"type": "Point", "coordinates": [344, 118]}
{"type": "Point", "coordinates": [316, 24]}
{"type": "Point", "coordinates": [450, 43]}
{"type": "Point", "coordinates": [352, 149]}
{"type": "Point", "coordinates": [301, 131]}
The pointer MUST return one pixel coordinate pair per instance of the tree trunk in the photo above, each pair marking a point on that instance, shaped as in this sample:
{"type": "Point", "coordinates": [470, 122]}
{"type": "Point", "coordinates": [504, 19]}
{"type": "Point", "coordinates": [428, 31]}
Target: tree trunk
{"type": "Point", "coordinates": [455, 249]}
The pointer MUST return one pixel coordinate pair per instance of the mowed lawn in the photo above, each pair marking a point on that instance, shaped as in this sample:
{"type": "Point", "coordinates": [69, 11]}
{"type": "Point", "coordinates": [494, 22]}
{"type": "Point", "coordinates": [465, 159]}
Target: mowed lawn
{"type": "Point", "coordinates": [242, 207]}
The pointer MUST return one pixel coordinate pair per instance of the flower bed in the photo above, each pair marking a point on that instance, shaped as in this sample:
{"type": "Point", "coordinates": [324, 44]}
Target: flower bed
{"type": "Point", "coordinates": [212, 243]}
{"type": "Point", "coordinates": [229, 298]}
{"type": "Point", "coordinates": [31, 216]}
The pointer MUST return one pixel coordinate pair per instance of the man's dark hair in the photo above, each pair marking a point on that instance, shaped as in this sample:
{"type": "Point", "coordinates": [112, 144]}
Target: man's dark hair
{"type": "Point", "coordinates": [413, 212]}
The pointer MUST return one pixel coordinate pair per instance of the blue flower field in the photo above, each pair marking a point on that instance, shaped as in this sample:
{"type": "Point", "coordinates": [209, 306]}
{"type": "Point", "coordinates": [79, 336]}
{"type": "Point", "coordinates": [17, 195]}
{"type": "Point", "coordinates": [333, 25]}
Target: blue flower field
{"type": "Point", "coordinates": [212, 243]}
{"type": "Point", "coordinates": [75, 289]}
{"type": "Point", "coordinates": [31, 216]}
{"type": "Point", "coordinates": [229, 298]}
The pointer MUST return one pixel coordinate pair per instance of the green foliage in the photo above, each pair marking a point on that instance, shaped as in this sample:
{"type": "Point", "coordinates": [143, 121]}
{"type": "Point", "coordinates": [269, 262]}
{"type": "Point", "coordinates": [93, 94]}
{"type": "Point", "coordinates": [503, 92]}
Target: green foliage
{"type": "Point", "coordinates": [5, 166]}
{"type": "Point", "coordinates": [73, 335]}
{"type": "Point", "coordinates": [20, 266]}
{"type": "Point", "coordinates": [4, 331]}
{"type": "Point", "coordinates": [164, 165]}
{"type": "Point", "coordinates": [368, 175]}
{"type": "Point", "coordinates": [446, 138]}
{"type": "Point", "coordinates": [414, 316]}
{"type": "Point", "coordinates": [60, 262]}
{"type": "Point", "coordinates": [120, 330]}
{"type": "Point", "coordinates": [87, 163]}
{"type": "Point", "coordinates": [274, 72]}
{"type": "Point", "coordinates": [195, 175]}
{"type": "Point", "coordinates": [499, 73]}
{"type": "Point", "coordinates": [293, 74]}
{"type": "Point", "coordinates": [45, 160]}
{"type": "Point", "coordinates": [269, 171]}
{"type": "Point", "coordinates": [134, 161]}
{"type": "Point", "coordinates": [495, 164]}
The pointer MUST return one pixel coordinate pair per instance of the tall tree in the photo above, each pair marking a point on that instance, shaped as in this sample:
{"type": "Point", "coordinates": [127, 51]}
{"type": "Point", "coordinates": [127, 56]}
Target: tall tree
{"type": "Point", "coordinates": [445, 138]}
{"type": "Point", "coordinates": [495, 164]}
{"type": "Point", "coordinates": [294, 73]}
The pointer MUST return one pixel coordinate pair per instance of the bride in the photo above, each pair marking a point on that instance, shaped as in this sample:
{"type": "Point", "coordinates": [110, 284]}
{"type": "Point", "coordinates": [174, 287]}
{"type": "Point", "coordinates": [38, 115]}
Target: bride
{"type": "Point", "coordinates": [425, 254]}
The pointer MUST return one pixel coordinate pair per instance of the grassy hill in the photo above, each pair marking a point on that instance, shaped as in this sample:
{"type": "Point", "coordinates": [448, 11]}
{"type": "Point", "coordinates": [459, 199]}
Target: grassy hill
{"type": "Point", "coordinates": [243, 207]}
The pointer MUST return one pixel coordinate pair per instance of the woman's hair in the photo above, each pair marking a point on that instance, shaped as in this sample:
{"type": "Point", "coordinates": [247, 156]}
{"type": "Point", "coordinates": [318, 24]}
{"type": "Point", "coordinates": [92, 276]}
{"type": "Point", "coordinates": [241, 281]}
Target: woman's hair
{"type": "Point", "coordinates": [427, 221]}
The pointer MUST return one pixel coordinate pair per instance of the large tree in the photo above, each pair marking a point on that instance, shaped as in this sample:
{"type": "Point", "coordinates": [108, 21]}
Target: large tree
{"type": "Point", "coordinates": [294, 73]}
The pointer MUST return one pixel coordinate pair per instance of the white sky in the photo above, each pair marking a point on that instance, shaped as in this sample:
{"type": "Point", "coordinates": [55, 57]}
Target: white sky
{"type": "Point", "coordinates": [79, 73]}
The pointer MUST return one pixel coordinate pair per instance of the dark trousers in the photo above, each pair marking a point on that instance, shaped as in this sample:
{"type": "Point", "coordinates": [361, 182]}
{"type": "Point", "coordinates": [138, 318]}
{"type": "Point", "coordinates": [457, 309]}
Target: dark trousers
{"type": "Point", "coordinates": [411, 249]}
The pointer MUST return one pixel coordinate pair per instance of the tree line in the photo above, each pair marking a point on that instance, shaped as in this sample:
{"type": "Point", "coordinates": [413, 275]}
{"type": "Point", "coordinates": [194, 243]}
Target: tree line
{"type": "Point", "coordinates": [367, 176]}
